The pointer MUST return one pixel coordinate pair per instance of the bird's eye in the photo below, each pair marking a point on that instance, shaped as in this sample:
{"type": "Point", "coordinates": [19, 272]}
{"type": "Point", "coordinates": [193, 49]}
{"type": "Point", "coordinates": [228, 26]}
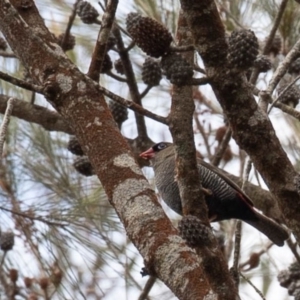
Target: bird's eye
{"type": "Point", "coordinates": [161, 146]}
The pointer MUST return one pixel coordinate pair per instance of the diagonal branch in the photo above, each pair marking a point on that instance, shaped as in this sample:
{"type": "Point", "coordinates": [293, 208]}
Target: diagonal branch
{"type": "Point", "coordinates": [283, 67]}
{"type": "Point", "coordinates": [21, 83]}
{"type": "Point", "coordinates": [101, 44]}
{"type": "Point", "coordinates": [270, 38]}
{"type": "Point", "coordinates": [132, 105]}
{"type": "Point", "coordinates": [48, 119]}
{"type": "Point", "coordinates": [69, 26]}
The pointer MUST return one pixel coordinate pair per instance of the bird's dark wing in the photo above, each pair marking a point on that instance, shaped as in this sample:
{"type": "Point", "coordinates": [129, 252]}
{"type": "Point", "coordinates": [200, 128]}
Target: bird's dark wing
{"type": "Point", "coordinates": [226, 179]}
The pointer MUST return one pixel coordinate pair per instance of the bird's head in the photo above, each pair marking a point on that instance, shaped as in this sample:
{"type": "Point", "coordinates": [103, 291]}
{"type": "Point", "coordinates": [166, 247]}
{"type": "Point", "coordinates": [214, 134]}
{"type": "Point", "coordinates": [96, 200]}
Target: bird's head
{"type": "Point", "coordinates": [151, 152]}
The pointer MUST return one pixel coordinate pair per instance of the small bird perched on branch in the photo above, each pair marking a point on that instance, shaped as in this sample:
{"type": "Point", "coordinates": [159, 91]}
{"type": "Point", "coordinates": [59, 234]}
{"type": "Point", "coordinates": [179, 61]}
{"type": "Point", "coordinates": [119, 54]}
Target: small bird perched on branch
{"type": "Point", "coordinates": [224, 199]}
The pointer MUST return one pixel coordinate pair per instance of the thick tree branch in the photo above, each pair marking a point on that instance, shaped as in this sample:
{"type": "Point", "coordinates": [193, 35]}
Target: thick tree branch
{"type": "Point", "coordinates": [77, 98]}
{"type": "Point", "coordinates": [188, 178]}
{"type": "Point", "coordinates": [251, 127]}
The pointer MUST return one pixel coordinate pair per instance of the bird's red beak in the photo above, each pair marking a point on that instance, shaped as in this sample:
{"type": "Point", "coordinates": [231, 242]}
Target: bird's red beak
{"type": "Point", "coordinates": [148, 154]}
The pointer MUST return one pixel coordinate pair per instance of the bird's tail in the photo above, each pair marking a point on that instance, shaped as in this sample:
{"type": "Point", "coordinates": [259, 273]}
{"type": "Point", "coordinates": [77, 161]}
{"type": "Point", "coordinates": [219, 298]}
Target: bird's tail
{"type": "Point", "coordinates": [276, 233]}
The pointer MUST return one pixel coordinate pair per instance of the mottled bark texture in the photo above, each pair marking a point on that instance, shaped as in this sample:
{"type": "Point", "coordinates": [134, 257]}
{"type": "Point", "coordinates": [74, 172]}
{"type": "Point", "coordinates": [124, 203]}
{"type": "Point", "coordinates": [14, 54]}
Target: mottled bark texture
{"type": "Point", "coordinates": [188, 179]}
{"type": "Point", "coordinates": [251, 127]}
{"type": "Point", "coordinates": [78, 100]}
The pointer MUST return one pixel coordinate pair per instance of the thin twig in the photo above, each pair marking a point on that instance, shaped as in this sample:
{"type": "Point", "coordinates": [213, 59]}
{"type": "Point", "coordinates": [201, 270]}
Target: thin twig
{"type": "Point", "coordinates": [117, 77]}
{"type": "Point", "coordinates": [238, 231]}
{"type": "Point", "coordinates": [293, 247]}
{"type": "Point", "coordinates": [276, 23]}
{"type": "Point", "coordinates": [199, 81]}
{"type": "Point", "coordinates": [242, 159]}
{"type": "Point", "coordinates": [270, 38]}
{"type": "Point", "coordinates": [146, 91]}
{"type": "Point", "coordinates": [130, 46]}
{"type": "Point", "coordinates": [98, 22]}
{"type": "Point", "coordinates": [7, 54]}
{"type": "Point", "coordinates": [254, 287]}
{"type": "Point", "coordinates": [289, 110]}
{"type": "Point", "coordinates": [257, 177]}
{"type": "Point", "coordinates": [69, 26]}
{"type": "Point", "coordinates": [222, 148]}
{"type": "Point", "coordinates": [283, 92]}
{"type": "Point", "coordinates": [131, 81]}
{"type": "Point", "coordinates": [198, 69]}
{"type": "Point", "coordinates": [149, 284]}
{"type": "Point", "coordinates": [101, 44]}
{"type": "Point", "coordinates": [246, 174]}
{"type": "Point", "coordinates": [48, 119]}
{"type": "Point", "coordinates": [4, 125]}
{"type": "Point", "coordinates": [46, 295]}
{"type": "Point", "coordinates": [182, 48]}
{"type": "Point", "coordinates": [133, 106]}
{"type": "Point", "coordinates": [204, 136]}
{"type": "Point", "coordinates": [229, 237]}
{"type": "Point", "coordinates": [237, 251]}
{"type": "Point", "coordinates": [119, 27]}
{"type": "Point", "coordinates": [283, 67]}
{"type": "Point", "coordinates": [3, 259]}
{"type": "Point", "coordinates": [228, 13]}
{"type": "Point", "coordinates": [40, 219]}
{"type": "Point", "coordinates": [3, 276]}
{"type": "Point", "coordinates": [259, 254]}
{"type": "Point", "coordinates": [21, 83]}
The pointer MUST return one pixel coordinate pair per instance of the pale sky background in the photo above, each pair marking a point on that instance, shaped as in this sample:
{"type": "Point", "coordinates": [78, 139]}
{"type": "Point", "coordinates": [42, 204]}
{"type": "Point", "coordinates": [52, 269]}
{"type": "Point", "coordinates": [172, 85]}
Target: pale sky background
{"type": "Point", "coordinates": [158, 101]}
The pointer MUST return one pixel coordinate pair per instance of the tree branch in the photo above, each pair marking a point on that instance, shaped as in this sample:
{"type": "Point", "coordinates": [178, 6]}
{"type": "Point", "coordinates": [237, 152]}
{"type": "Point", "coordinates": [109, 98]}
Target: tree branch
{"type": "Point", "coordinates": [48, 119]}
{"type": "Point", "coordinates": [69, 26]}
{"type": "Point", "coordinates": [283, 67]}
{"type": "Point", "coordinates": [101, 44]}
{"type": "Point", "coordinates": [251, 127]}
{"type": "Point", "coordinates": [270, 38]}
{"type": "Point", "coordinates": [4, 124]}
{"type": "Point", "coordinates": [21, 83]}
{"type": "Point", "coordinates": [131, 81]}
{"type": "Point", "coordinates": [77, 98]}
{"type": "Point", "coordinates": [188, 178]}
{"type": "Point", "coordinates": [133, 106]}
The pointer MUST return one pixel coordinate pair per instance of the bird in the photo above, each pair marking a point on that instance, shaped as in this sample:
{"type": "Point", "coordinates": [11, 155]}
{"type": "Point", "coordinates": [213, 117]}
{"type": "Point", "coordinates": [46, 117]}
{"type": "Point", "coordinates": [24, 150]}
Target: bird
{"type": "Point", "coordinates": [224, 199]}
